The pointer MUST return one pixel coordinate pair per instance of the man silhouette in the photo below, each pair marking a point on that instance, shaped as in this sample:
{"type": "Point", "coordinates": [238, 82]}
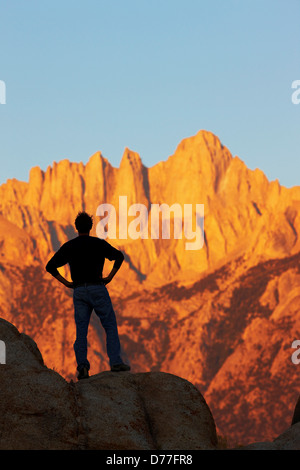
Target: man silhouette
{"type": "Point", "coordinates": [86, 255]}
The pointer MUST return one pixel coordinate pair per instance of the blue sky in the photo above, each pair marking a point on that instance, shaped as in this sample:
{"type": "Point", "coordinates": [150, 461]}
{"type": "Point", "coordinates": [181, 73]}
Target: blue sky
{"type": "Point", "coordinates": [83, 76]}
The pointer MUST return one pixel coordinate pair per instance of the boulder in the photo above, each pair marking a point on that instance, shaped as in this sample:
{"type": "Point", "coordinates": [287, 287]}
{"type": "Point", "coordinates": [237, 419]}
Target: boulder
{"type": "Point", "coordinates": [288, 440]}
{"type": "Point", "coordinates": [296, 415]}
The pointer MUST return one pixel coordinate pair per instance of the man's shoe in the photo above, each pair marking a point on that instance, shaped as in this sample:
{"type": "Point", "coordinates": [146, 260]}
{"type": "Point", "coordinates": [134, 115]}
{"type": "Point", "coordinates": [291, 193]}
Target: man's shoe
{"type": "Point", "coordinates": [119, 367]}
{"type": "Point", "coordinates": [83, 373]}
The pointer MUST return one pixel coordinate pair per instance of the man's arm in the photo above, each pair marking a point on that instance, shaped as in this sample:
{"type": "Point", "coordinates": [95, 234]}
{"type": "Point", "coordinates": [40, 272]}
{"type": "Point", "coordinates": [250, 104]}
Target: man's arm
{"type": "Point", "coordinates": [64, 281]}
{"type": "Point", "coordinates": [55, 262]}
{"type": "Point", "coordinates": [113, 254]}
{"type": "Point", "coordinates": [112, 273]}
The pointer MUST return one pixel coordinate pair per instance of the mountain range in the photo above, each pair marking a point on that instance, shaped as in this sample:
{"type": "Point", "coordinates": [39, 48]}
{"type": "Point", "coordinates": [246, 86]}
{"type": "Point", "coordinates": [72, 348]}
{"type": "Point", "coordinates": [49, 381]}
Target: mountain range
{"type": "Point", "coordinates": [223, 316]}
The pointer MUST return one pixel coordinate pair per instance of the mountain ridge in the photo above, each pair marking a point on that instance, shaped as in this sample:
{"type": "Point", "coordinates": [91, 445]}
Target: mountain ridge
{"type": "Point", "coordinates": [197, 314]}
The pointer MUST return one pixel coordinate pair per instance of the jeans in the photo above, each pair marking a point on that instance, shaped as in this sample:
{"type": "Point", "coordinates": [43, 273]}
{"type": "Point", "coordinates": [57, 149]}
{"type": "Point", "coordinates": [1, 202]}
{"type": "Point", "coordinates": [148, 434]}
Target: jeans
{"type": "Point", "coordinates": [87, 298]}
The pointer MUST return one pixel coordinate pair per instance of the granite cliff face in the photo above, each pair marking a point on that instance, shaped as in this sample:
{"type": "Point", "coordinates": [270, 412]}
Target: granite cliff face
{"type": "Point", "coordinates": [223, 317]}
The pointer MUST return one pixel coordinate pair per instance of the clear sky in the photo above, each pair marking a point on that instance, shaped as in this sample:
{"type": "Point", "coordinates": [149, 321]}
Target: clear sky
{"type": "Point", "coordinates": [89, 75]}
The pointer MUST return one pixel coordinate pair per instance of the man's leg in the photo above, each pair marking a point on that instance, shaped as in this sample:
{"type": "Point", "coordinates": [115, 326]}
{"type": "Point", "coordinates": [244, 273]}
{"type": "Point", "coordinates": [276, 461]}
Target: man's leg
{"type": "Point", "coordinates": [82, 314]}
{"type": "Point", "coordinates": [104, 310]}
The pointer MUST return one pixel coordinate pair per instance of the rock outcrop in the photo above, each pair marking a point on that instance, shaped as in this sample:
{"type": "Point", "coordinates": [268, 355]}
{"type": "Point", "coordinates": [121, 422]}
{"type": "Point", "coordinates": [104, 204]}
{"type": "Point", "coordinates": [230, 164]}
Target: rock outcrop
{"type": "Point", "coordinates": [288, 440]}
{"type": "Point", "coordinates": [40, 410]}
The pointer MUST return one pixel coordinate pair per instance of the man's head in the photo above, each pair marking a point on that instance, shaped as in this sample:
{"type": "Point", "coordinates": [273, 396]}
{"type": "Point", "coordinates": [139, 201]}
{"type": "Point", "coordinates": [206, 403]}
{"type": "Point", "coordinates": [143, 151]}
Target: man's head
{"type": "Point", "coordinates": [83, 222]}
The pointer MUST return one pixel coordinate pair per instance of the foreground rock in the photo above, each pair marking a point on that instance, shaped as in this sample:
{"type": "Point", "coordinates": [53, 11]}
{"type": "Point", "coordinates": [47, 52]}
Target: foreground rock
{"type": "Point", "coordinates": [41, 410]}
{"type": "Point", "coordinates": [288, 440]}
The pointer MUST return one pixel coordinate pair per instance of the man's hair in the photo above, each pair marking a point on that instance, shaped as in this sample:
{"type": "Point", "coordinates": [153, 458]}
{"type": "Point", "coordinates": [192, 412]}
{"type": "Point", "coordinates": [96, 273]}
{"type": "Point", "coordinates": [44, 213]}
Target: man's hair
{"type": "Point", "coordinates": [83, 222]}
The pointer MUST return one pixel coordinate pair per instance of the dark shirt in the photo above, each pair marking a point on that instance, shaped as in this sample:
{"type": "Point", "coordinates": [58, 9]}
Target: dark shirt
{"type": "Point", "coordinates": [86, 256]}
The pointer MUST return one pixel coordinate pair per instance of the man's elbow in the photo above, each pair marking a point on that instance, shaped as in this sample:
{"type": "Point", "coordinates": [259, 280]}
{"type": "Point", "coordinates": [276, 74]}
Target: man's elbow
{"type": "Point", "coordinates": [51, 269]}
{"type": "Point", "coordinates": [120, 259]}
{"type": "Point", "coordinates": [47, 267]}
